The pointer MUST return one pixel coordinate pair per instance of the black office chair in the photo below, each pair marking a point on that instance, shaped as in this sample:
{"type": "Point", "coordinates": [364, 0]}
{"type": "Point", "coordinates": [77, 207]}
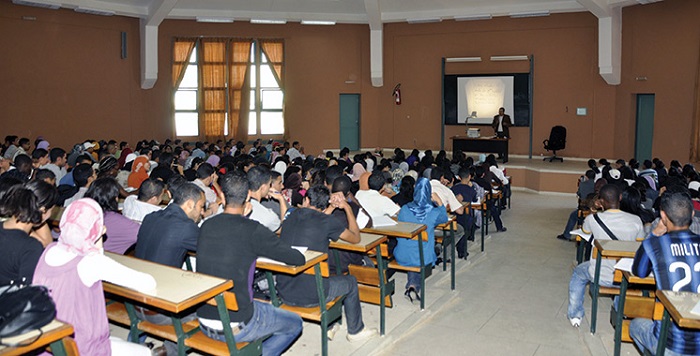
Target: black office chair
{"type": "Point", "coordinates": [556, 142]}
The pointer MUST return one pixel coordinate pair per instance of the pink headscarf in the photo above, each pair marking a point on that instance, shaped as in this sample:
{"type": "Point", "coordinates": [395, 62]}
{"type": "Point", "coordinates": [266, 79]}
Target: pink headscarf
{"type": "Point", "coordinates": [214, 160]}
{"type": "Point", "coordinates": [81, 225]}
{"type": "Point", "coordinates": [357, 171]}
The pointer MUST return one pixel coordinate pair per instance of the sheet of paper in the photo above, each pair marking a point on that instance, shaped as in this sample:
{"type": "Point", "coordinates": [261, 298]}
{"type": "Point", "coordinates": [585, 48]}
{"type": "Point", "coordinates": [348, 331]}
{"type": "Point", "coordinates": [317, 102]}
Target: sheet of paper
{"type": "Point", "coordinates": [624, 264]}
{"type": "Point", "coordinates": [383, 220]}
{"type": "Point", "coordinates": [580, 232]}
{"type": "Point", "coordinates": [301, 249]}
{"type": "Point", "coordinates": [362, 219]}
{"type": "Point", "coordinates": [696, 309]}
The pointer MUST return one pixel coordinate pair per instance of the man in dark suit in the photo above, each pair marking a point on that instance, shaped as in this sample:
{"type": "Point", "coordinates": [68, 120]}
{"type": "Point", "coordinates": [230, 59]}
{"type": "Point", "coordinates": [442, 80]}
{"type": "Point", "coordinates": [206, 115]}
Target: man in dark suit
{"type": "Point", "coordinates": [501, 123]}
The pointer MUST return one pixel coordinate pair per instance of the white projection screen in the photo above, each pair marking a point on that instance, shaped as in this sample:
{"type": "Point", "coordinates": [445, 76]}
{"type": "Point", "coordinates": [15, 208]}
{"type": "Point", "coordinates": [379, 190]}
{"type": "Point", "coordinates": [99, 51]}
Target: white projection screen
{"type": "Point", "coordinates": [483, 95]}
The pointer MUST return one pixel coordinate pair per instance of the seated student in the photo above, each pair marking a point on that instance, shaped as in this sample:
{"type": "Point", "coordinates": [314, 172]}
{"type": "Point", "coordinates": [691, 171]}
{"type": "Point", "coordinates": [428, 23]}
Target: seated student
{"type": "Point", "coordinates": [405, 194]}
{"type": "Point", "coordinates": [484, 181]}
{"type": "Point", "coordinates": [45, 175]}
{"type": "Point", "coordinates": [40, 157]}
{"type": "Point", "coordinates": [206, 180]}
{"type": "Point", "coordinates": [373, 201]}
{"type": "Point", "coordinates": [73, 269]}
{"type": "Point", "coordinates": [19, 253]}
{"type": "Point", "coordinates": [259, 180]}
{"type": "Point", "coordinates": [426, 208]}
{"type": "Point", "coordinates": [139, 171]}
{"type": "Point", "coordinates": [46, 195]}
{"type": "Point", "coordinates": [136, 207]}
{"type": "Point", "coordinates": [276, 186]}
{"type": "Point", "coordinates": [312, 226]}
{"type": "Point", "coordinates": [672, 271]}
{"type": "Point", "coordinates": [230, 253]}
{"type": "Point", "coordinates": [465, 192]}
{"type": "Point", "coordinates": [83, 176]}
{"type": "Point", "coordinates": [586, 187]}
{"type": "Point", "coordinates": [438, 184]}
{"type": "Point", "coordinates": [342, 185]}
{"type": "Point", "coordinates": [121, 232]}
{"type": "Point", "coordinates": [625, 227]}
{"type": "Point", "coordinates": [23, 168]}
{"type": "Point", "coordinates": [67, 179]}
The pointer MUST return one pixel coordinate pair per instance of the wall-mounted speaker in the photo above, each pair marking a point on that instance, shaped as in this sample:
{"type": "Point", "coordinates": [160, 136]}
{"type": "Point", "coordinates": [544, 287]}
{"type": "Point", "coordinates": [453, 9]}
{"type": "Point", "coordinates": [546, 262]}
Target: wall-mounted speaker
{"type": "Point", "coordinates": [123, 45]}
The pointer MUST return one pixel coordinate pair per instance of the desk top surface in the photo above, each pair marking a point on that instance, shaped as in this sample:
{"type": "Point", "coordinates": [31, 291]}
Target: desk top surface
{"type": "Point", "coordinates": [367, 242]}
{"type": "Point", "coordinates": [612, 248]}
{"type": "Point", "coordinates": [176, 289]}
{"type": "Point", "coordinates": [53, 331]}
{"type": "Point", "coordinates": [451, 218]}
{"type": "Point", "coordinates": [679, 305]}
{"type": "Point", "coordinates": [632, 279]}
{"type": "Point", "coordinates": [490, 138]}
{"type": "Point", "coordinates": [312, 258]}
{"type": "Point", "coordinates": [401, 229]}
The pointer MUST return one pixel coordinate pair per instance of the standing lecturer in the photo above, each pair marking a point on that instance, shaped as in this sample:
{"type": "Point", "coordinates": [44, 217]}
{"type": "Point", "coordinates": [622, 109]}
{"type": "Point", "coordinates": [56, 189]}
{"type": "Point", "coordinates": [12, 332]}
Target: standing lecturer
{"type": "Point", "coordinates": [501, 123]}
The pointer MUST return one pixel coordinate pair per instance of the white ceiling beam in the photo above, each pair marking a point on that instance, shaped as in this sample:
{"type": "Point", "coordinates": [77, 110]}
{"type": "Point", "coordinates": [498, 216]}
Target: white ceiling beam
{"type": "Point", "coordinates": [609, 38]}
{"type": "Point", "coordinates": [158, 10]}
{"type": "Point", "coordinates": [599, 8]}
{"type": "Point", "coordinates": [376, 42]}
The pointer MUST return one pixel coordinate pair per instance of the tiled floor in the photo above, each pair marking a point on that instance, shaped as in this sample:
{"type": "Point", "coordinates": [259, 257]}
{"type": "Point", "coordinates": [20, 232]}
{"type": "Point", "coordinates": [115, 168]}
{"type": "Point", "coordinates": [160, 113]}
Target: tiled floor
{"type": "Point", "coordinates": [510, 300]}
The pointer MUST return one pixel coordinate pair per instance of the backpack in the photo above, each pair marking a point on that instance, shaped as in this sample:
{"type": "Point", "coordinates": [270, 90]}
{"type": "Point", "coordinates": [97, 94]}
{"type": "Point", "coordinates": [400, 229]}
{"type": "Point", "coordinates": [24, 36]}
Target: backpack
{"type": "Point", "coordinates": [23, 309]}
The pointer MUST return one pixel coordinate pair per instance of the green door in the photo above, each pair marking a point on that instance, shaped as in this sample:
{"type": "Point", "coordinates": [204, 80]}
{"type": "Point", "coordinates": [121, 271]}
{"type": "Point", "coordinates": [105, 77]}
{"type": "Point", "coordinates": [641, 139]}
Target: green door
{"type": "Point", "coordinates": [645, 127]}
{"type": "Point", "coordinates": [350, 121]}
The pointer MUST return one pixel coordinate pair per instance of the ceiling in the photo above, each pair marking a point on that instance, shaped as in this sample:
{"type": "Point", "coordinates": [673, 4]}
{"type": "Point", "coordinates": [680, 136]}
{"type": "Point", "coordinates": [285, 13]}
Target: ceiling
{"type": "Point", "coordinates": [371, 12]}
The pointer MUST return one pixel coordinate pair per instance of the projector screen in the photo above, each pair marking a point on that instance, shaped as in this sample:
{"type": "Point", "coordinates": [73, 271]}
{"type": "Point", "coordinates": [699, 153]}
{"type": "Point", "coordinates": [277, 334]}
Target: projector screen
{"type": "Point", "coordinates": [484, 94]}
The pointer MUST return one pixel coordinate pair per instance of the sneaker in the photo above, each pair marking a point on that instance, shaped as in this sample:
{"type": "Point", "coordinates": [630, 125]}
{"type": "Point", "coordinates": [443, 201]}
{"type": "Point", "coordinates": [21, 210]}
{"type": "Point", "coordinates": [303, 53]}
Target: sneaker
{"type": "Point", "coordinates": [503, 229]}
{"type": "Point", "coordinates": [562, 237]}
{"type": "Point", "coordinates": [575, 322]}
{"type": "Point", "coordinates": [364, 334]}
{"type": "Point", "coordinates": [332, 331]}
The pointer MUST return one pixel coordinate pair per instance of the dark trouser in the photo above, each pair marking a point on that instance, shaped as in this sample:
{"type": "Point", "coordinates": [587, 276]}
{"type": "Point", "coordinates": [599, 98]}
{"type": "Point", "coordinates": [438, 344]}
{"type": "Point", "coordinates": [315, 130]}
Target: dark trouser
{"type": "Point", "coordinates": [495, 214]}
{"type": "Point", "coordinates": [573, 219]}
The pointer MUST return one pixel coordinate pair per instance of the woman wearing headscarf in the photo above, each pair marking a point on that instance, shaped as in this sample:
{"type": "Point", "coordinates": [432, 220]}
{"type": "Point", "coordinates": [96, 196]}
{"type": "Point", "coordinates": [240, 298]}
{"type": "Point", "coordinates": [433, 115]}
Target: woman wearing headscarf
{"type": "Point", "coordinates": [427, 209]}
{"type": "Point", "coordinates": [357, 171]}
{"type": "Point", "coordinates": [139, 171]}
{"type": "Point", "coordinates": [73, 270]}
{"type": "Point", "coordinates": [292, 185]}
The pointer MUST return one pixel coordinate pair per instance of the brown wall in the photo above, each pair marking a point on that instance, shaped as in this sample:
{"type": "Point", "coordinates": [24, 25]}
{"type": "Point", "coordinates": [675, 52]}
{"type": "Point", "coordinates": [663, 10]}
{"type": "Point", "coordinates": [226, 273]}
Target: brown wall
{"type": "Point", "coordinates": [61, 77]}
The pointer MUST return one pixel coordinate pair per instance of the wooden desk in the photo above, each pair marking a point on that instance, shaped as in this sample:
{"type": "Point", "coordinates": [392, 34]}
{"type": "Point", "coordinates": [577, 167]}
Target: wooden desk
{"type": "Point", "coordinates": [369, 242]}
{"type": "Point", "coordinates": [481, 144]}
{"type": "Point", "coordinates": [611, 249]}
{"type": "Point", "coordinates": [312, 258]}
{"type": "Point", "coordinates": [53, 334]}
{"type": "Point", "coordinates": [677, 305]}
{"type": "Point", "coordinates": [177, 290]}
{"type": "Point", "coordinates": [626, 278]}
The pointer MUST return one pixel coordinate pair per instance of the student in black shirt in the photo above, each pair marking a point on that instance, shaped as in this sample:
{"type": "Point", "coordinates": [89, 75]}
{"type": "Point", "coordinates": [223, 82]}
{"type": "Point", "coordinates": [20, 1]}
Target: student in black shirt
{"type": "Point", "coordinates": [312, 226]}
{"type": "Point", "coordinates": [230, 253]}
{"type": "Point", "coordinates": [20, 252]}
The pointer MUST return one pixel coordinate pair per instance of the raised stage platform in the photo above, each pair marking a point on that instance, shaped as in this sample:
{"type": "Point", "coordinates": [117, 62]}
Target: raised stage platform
{"type": "Point", "coordinates": [544, 176]}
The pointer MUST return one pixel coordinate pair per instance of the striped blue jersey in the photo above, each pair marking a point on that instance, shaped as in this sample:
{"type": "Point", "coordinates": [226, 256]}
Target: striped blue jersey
{"type": "Point", "coordinates": [675, 260]}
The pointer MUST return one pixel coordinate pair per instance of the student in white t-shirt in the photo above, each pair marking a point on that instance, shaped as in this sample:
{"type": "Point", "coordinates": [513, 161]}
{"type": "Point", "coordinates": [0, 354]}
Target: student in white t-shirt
{"type": "Point", "coordinates": [376, 204]}
{"type": "Point", "coordinates": [150, 195]}
{"type": "Point", "coordinates": [259, 180]}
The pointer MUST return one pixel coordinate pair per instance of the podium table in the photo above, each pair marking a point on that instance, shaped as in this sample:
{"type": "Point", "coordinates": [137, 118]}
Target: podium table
{"type": "Point", "coordinates": [481, 144]}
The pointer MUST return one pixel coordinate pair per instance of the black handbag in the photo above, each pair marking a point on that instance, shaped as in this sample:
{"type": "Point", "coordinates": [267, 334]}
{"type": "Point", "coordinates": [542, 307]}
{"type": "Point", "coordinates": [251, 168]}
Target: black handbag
{"type": "Point", "coordinates": [23, 309]}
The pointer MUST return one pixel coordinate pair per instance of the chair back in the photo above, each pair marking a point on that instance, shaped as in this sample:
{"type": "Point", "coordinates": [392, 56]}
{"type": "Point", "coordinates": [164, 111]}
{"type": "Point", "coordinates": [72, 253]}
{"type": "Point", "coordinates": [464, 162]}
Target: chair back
{"type": "Point", "coordinates": [557, 138]}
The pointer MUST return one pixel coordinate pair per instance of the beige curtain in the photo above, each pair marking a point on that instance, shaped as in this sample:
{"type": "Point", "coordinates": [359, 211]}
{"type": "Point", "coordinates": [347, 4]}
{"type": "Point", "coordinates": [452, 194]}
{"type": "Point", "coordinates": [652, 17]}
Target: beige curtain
{"type": "Point", "coordinates": [239, 89]}
{"type": "Point", "coordinates": [182, 49]}
{"type": "Point", "coordinates": [274, 50]}
{"type": "Point", "coordinates": [695, 140]}
{"type": "Point", "coordinates": [212, 81]}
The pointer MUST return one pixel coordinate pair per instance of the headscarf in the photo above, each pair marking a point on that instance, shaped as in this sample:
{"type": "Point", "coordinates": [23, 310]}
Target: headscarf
{"type": "Point", "coordinates": [139, 173]}
{"type": "Point", "coordinates": [293, 182]}
{"type": "Point", "coordinates": [357, 171]}
{"type": "Point", "coordinates": [404, 166]}
{"type": "Point", "coordinates": [281, 167]}
{"type": "Point", "coordinates": [43, 144]}
{"type": "Point", "coordinates": [122, 156]}
{"type": "Point", "coordinates": [364, 181]}
{"type": "Point", "coordinates": [213, 160]}
{"type": "Point", "coordinates": [422, 200]}
{"type": "Point", "coordinates": [81, 225]}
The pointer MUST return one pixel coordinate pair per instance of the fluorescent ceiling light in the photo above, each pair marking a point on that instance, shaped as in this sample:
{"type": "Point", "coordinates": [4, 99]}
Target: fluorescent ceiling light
{"type": "Point", "coordinates": [45, 5]}
{"type": "Point", "coordinates": [268, 22]}
{"type": "Point", "coordinates": [509, 58]}
{"type": "Point", "coordinates": [86, 10]}
{"type": "Point", "coordinates": [214, 19]}
{"type": "Point", "coordinates": [473, 17]}
{"type": "Point", "coordinates": [316, 22]}
{"type": "Point", "coordinates": [428, 20]}
{"type": "Point", "coordinates": [463, 59]}
{"type": "Point", "coordinates": [516, 15]}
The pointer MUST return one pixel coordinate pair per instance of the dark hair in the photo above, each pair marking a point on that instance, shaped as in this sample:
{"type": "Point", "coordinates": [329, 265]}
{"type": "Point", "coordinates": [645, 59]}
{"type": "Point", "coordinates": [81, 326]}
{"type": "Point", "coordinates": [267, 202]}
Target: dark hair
{"type": "Point", "coordinates": [436, 173]}
{"type": "Point", "coordinates": [376, 180]}
{"type": "Point", "coordinates": [631, 201]}
{"type": "Point", "coordinates": [590, 174]}
{"type": "Point", "coordinates": [22, 162]}
{"type": "Point", "coordinates": [81, 173]}
{"type": "Point", "coordinates": [678, 207]}
{"type": "Point", "coordinates": [319, 196]}
{"type": "Point", "coordinates": [186, 192]}
{"type": "Point", "coordinates": [205, 170]}
{"type": "Point", "coordinates": [46, 194]}
{"type": "Point", "coordinates": [235, 188]}
{"type": "Point", "coordinates": [23, 141]}
{"type": "Point", "coordinates": [464, 173]}
{"type": "Point", "coordinates": [21, 203]}
{"type": "Point", "coordinates": [166, 159]}
{"type": "Point", "coordinates": [406, 187]}
{"type": "Point", "coordinates": [7, 182]}
{"type": "Point", "coordinates": [43, 173]}
{"type": "Point", "coordinates": [332, 173]}
{"type": "Point", "coordinates": [274, 174]}
{"type": "Point", "coordinates": [150, 188]}
{"type": "Point", "coordinates": [257, 177]}
{"type": "Point", "coordinates": [105, 191]}
{"type": "Point", "coordinates": [344, 151]}
{"type": "Point", "coordinates": [56, 153]}
{"type": "Point", "coordinates": [39, 153]}
{"type": "Point", "coordinates": [647, 164]}
{"type": "Point", "coordinates": [610, 193]}
{"type": "Point", "coordinates": [342, 184]}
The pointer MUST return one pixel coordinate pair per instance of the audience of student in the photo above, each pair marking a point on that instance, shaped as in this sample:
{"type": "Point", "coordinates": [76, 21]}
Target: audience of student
{"type": "Point", "coordinates": [259, 181]}
{"type": "Point", "coordinates": [405, 194]}
{"type": "Point", "coordinates": [376, 204]}
{"type": "Point", "coordinates": [231, 253]}
{"type": "Point", "coordinates": [121, 232]}
{"type": "Point", "coordinates": [426, 208]}
{"type": "Point", "coordinates": [312, 227]}
{"type": "Point", "coordinates": [73, 269]}
{"type": "Point", "coordinates": [83, 176]}
{"type": "Point", "coordinates": [207, 181]}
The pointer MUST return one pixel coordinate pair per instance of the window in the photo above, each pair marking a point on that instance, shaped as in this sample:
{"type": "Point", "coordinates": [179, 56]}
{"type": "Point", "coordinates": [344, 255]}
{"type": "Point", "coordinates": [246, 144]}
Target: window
{"type": "Point", "coordinates": [210, 91]}
{"type": "Point", "coordinates": [266, 115]}
{"type": "Point", "coordinates": [185, 100]}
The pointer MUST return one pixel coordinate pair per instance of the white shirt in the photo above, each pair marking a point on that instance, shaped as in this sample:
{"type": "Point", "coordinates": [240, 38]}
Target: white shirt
{"type": "Point", "coordinates": [294, 153]}
{"type": "Point", "coordinates": [79, 195]}
{"type": "Point", "coordinates": [376, 204]}
{"type": "Point", "coordinates": [446, 195]}
{"type": "Point", "coordinates": [499, 174]}
{"type": "Point", "coordinates": [136, 210]}
{"type": "Point", "coordinates": [59, 172]}
{"type": "Point", "coordinates": [264, 215]}
{"type": "Point", "coordinates": [208, 192]}
{"type": "Point", "coordinates": [500, 123]}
